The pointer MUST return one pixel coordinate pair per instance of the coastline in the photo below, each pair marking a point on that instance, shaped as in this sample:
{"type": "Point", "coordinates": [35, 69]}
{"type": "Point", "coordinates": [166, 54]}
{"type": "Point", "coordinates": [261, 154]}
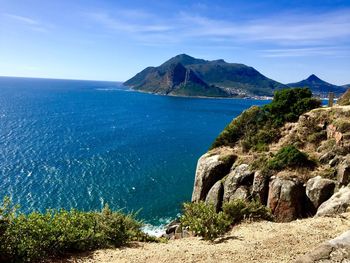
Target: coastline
{"type": "Point", "coordinates": [200, 97]}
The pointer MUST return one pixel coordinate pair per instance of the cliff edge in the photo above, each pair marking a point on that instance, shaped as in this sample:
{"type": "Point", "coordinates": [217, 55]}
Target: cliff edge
{"type": "Point", "coordinates": [297, 165]}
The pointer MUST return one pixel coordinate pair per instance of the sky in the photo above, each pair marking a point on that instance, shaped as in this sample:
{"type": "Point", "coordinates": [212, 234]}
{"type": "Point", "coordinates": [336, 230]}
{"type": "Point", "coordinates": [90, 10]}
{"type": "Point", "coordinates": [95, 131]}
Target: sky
{"type": "Point", "coordinates": [113, 40]}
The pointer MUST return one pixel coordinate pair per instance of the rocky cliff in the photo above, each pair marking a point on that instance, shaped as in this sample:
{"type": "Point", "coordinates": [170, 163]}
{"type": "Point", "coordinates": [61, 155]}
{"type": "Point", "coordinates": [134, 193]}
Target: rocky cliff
{"type": "Point", "coordinates": [316, 183]}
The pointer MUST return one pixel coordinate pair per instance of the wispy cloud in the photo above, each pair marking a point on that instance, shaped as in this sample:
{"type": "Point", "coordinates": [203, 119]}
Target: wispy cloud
{"type": "Point", "coordinates": [29, 22]}
{"type": "Point", "coordinates": [22, 19]}
{"type": "Point", "coordinates": [122, 22]}
{"type": "Point", "coordinates": [282, 29]}
{"type": "Point", "coordinates": [302, 52]}
{"type": "Point", "coordinates": [307, 31]}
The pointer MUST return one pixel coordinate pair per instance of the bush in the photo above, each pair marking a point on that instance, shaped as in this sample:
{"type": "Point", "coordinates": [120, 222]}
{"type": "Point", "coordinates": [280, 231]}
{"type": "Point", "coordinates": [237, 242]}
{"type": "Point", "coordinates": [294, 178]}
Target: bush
{"type": "Point", "coordinates": [259, 126]}
{"type": "Point", "coordinates": [238, 209]}
{"type": "Point", "coordinates": [36, 236]}
{"type": "Point", "coordinates": [203, 220]}
{"type": "Point", "coordinates": [289, 156]}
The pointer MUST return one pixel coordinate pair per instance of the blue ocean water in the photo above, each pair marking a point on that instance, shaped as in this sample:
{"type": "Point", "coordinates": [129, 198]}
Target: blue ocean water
{"type": "Point", "coordinates": [82, 144]}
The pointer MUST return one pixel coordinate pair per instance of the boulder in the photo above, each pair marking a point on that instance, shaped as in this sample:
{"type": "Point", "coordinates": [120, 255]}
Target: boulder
{"type": "Point", "coordinates": [335, 250]}
{"type": "Point", "coordinates": [343, 172]}
{"type": "Point", "coordinates": [318, 190]}
{"type": "Point", "coordinates": [338, 203]}
{"type": "Point", "coordinates": [333, 133]}
{"type": "Point", "coordinates": [285, 199]}
{"type": "Point", "coordinates": [242, 193]}
{"type": "Point", "coordinates": [260, 187]}
{"type": "Point", "coordinates": [171, 228]}
{"type": "Point", "coordinates": [211, 167]}
{"type": "Point", "coordinates": [241, 175]}
{"type": "Point", "coordinates": [215, 195]}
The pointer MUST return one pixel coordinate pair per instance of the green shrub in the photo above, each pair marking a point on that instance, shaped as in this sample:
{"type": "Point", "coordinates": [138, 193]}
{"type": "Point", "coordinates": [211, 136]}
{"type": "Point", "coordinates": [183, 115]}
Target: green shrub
{"type": "Point", "coordinates": [203, 220]}
{"type": "Point", "coordinates": [259, 126]}
{"type": "Point", "coordinates": [317, 137]}
{"type": "Point", "coordinates": [238, 209]}
{"type": "Point", "coordinates": [36, 236]}
{"type": "Point", "coordinates": [289, 157]}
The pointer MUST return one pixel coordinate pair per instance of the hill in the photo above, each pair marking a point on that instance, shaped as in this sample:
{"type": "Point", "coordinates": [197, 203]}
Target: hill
{"type": "Point", "coordinates": [345, 98]}
{"type": "Point", "coordinates": [318, 86]}
{"type": "Point", "coordinates": [185, 75]}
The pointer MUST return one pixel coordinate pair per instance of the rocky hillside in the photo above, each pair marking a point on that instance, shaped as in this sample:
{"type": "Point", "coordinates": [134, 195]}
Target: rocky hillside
{"type": "Point", "coordinates": [185, 75]}
{"type": "Point", "coordinates": [297, 166]}
{"type": "Point", "coordinates": [318, 86]}
{"type": "Point", "coordinates": [345, 98]}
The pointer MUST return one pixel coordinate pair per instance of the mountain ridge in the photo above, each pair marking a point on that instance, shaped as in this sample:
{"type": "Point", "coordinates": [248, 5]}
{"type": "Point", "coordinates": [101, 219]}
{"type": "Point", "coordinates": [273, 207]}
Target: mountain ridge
{"type": "Point", "coordinates": [215, 78]}
{"type": "Point", "coordinates": [318, 86]}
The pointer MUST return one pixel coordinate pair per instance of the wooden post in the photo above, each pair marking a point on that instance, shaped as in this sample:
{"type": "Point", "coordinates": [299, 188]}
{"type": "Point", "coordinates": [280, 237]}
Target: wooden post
{"type": "Point", "coordinates": [330, 99]}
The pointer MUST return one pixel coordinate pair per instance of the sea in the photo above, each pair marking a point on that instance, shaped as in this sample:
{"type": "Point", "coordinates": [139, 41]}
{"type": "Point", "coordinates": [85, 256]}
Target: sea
{"type": "Point", "coordinates": [83, 144]}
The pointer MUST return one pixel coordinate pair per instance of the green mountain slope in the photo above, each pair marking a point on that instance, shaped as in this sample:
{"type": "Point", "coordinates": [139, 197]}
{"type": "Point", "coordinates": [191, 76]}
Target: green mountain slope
{"type": "Point", "coordinates": [318, 86]}
{"type": "Point", "coordinates": [207, 78]}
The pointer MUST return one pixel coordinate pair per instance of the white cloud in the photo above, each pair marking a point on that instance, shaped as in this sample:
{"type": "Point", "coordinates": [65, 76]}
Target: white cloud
{"type": "Point", "coordinates": [301, 52]}
{"type": "Point", "coordinates": [22, 19]}
{"type": "Point", "coordinates": [124, 23]}
{"type": "Point", "coordinates": [304, 30]}
{"type": "Point", "coordinates": [30, 23]}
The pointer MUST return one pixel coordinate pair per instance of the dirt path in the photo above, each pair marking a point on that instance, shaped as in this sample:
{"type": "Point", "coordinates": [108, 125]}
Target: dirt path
{"type": "Point", "coordinates": [248, 242]}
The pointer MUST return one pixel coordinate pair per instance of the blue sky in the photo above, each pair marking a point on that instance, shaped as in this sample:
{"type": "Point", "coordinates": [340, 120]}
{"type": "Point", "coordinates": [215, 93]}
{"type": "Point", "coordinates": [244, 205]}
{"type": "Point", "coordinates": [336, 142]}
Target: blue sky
{"type": "Point", "coordinates": [113, 40]}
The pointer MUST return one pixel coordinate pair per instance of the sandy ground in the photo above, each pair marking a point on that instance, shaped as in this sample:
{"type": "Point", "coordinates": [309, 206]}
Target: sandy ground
{"type": "Point", "coordinates": [247, 242]}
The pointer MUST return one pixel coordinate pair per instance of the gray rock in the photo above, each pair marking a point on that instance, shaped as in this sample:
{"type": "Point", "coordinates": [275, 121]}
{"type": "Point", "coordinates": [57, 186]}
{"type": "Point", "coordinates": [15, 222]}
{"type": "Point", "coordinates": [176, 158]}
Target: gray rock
{"type": "Point", "coordinates": [241, 175]}
{"type": "Point", "coordinates": [338, 203]}
{"type": "Point", "coordinates": [286, 198]}
{"type": "Point", "coordinates": [343, 172]}
{"type": "Point", "coordinates": [335, 250]}
{"type": "Point", "coordinates": [327, 157]}
{"type": "Point", "coordinates": [211, 167]}
{"type": "Point", "coordinates": [242, 193]}
{"type": "Point", "coordinates": [260, 187]}
{"type": "Point", "coordinates": [215, 195]}
{"type": "Point", "coordinates": [334, 161]}
{"type": "Point", "coordinates": [318, 190]}
{"type": "Point", "coordinates": [171, 228]}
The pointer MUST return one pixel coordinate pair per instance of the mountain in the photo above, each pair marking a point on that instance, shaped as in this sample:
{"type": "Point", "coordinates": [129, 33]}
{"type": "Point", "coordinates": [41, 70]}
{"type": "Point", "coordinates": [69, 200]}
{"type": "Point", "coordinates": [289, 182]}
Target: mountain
{"type": "Point", "coordinates": [318, 86]}
{"type": "Point", "coordinates": [185, 75]}
{"type": "Point", "coordinates": [346, 86]}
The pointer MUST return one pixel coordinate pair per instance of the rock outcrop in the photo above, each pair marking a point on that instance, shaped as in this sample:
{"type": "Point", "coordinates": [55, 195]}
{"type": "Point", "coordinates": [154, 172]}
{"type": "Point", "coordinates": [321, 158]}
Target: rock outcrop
{"type": "Point", "coordinates": [211, 167]}
{"type": "Point", "coordinates": [338, 203]}
{"type": "Point", "coordinates": [260, 187]}
{"type": "Point", "coordinates": [343, 172]}
{"type": "Point", "coordinates": [229, 173]}
{"type": "Point", "coordinates": [215, 195]}
{"type": "Point", "coordinates": [318, 190]}
{"type": "Point", "coordinates": [286, 198]}
{"type": "Point", "coordinates": [240, 176]}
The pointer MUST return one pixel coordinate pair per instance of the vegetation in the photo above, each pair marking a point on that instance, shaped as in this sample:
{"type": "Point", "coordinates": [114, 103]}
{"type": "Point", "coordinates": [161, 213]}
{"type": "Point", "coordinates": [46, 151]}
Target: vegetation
{"type": "Point", "coordinates": [259, 126]}
{"type": "Point", "coordinates": [289, 157]}
{"type": "Point", "coordinates": [238, 210]}
{"type": "Point", "coordinates": [35, 236]}
{"type": "Point", "coordinates": [202, 219]}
